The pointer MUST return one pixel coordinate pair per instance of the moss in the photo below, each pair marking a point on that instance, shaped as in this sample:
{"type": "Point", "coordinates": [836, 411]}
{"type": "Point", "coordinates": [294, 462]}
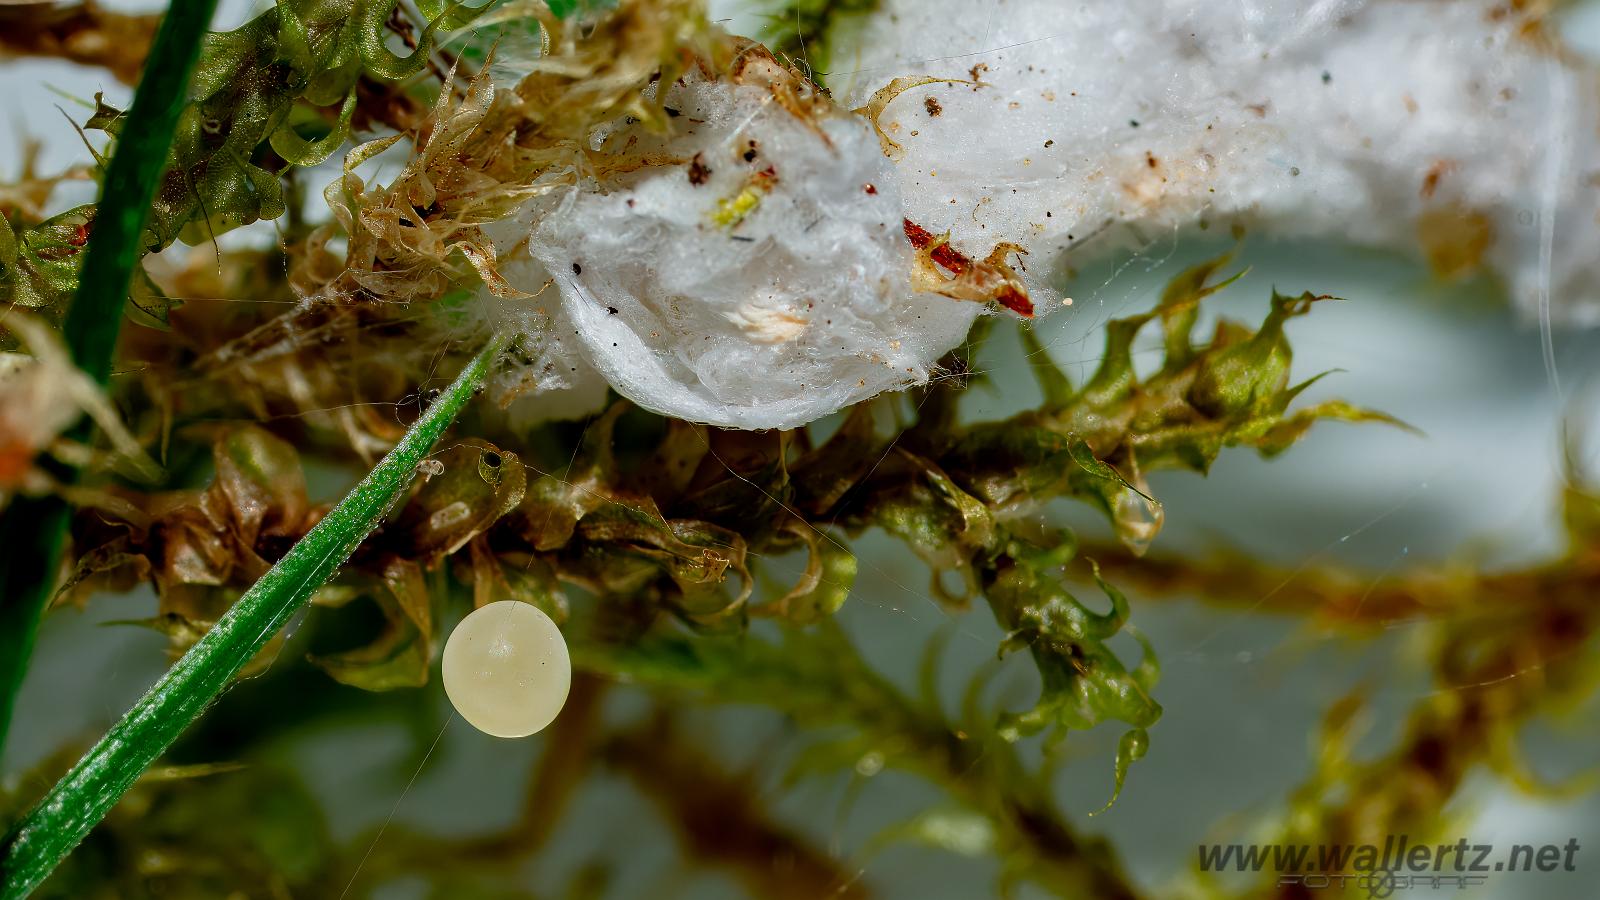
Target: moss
{"type": "Point", "coordinates": [657, 542]}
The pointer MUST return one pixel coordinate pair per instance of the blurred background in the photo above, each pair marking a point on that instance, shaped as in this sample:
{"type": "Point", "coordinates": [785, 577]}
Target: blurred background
{"type": "Point", "coordinates": [1244, 690]}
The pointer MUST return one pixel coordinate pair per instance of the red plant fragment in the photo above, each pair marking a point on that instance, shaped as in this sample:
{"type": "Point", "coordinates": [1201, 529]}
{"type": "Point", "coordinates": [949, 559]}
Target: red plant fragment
{"type": "Point", "coordinates": [957, 263]}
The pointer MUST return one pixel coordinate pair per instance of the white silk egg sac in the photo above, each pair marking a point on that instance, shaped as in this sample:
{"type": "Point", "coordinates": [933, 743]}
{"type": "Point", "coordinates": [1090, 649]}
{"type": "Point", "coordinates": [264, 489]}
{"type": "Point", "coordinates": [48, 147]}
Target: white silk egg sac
{"type": "Point", "coordinates": [506, 669]}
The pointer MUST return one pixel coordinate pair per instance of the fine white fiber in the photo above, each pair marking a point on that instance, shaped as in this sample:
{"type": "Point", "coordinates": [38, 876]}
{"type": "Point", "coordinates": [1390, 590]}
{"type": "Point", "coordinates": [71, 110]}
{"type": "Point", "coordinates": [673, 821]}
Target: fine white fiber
{"type": "Point", "coordinates": [757, 277]}
{"type": "Point", "coordinates": [753, 268]}
{"type": "Point", "coordinates": [1449, 129]}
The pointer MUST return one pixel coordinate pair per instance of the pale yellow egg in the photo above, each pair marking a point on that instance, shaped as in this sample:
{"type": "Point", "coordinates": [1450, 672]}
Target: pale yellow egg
{"type": "Point", "coordinates": [506, 669]}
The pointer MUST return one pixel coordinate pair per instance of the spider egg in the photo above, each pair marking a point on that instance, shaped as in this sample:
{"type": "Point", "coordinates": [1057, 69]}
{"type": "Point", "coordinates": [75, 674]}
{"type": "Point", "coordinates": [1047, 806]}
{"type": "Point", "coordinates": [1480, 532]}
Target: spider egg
{"type": "Point", "coordinates": [506, 669]}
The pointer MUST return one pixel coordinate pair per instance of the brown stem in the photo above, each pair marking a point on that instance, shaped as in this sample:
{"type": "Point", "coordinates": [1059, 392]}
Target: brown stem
{"type": "Point", "coordinates": [82, 33]}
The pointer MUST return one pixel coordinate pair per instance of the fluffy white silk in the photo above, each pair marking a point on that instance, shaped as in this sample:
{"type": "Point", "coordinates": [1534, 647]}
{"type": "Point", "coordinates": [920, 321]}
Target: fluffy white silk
{"type": "Point", "coordinates": [756, 278]}
{"type": "Point", "coordinates": [757, 274]}
{"type": "Point", "coordinates": [1448, 127]}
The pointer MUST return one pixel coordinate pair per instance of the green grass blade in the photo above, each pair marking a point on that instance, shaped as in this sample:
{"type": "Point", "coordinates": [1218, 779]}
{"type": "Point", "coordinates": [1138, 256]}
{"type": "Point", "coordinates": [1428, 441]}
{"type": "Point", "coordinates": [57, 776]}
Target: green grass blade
{"type": "Point", "coordinates": [82, 798]}
{"type": "Point", "coordinates": [33, 529]}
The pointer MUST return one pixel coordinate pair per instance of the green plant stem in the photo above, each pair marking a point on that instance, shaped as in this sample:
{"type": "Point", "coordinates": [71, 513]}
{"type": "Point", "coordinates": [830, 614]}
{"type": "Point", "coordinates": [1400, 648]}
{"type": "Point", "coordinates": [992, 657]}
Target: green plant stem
{"type": "Point", "coordinates": [82, 798]}
{"type": "Point", "coordinates": [33, 529]}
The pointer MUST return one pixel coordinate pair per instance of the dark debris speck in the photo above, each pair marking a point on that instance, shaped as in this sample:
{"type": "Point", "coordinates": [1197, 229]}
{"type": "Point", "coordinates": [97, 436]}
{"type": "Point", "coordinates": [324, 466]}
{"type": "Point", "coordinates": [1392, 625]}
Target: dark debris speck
{"type": "Point", "coordinates": [699, 172]}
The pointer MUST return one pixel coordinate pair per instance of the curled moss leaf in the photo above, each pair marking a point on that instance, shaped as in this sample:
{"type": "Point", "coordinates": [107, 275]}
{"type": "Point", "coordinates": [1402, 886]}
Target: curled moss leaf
{"type": "Point", "coordinates": [1245, 379]}
{"type": "Point", "coordinates": [46, 258]}
{"type": "Point", "coordinates": [1083, 681]}
{"type": "Point", "coordinates": [1131, 747]}
{"type": "Point", "coordinates": [1292, 428]}
{"type": "Point", "coordinates": [1179, 307]}
{"type": "Point", "coordinates": [477, 483]}
{"type": "Point", "coordinates": [399, 656]}
{"type": "Point", "coordinates": [824, 585]}
{"type": "Point", "coordinates": [659, 521]}
{"type": "Point", "coordinates": [241, 126]}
